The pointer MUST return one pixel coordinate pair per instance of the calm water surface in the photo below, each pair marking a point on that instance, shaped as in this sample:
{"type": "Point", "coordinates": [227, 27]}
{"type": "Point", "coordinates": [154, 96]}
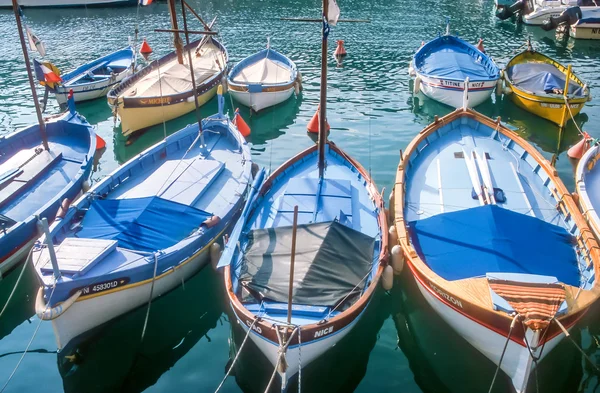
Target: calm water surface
{"type": "Point", "coordinates": [400, 346]}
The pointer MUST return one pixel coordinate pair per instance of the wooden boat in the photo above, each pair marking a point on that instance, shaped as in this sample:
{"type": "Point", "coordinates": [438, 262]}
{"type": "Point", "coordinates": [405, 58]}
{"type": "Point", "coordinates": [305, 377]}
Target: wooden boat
{"type": "Point", "coordinates": [482, 218]}
{"type": "Point", "coordinates": [163, 91]}
{"type": "Point", "coordinates": [317, 223]}
{"type": "Point", "coordinates": [586, 178]}
{"type": "Point", "coordinates": [537, 84]}
{"type": "Point", "coordinates": [40, 166]}
{"type": "Point", "coordinates": [94, 79]}
{"type": "Point", "coordinates": [445, 64]}
{"type": "Point", "coordinates": [144, 229]}
{"type": "Point", "coordinates": [68, 3]}
{"type": "Point", "coordinates": [264, 79]}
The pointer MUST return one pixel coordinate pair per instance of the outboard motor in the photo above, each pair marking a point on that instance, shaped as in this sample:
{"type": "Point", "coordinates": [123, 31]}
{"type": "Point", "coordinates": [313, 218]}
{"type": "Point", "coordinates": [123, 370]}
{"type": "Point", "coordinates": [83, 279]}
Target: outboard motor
{"type": "Point", "coordinates": [569, 17]}
{"type": "Point", "coordinates": [509, 11]}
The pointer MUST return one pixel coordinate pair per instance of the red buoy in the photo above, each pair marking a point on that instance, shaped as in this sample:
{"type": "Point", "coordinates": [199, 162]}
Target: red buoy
{"type": "Point", "coordinates": [340, 51]}
{"type": "Point", "coordinates": [100, 143]}
{"type": "Point", "coordinates": [578, 150]}
{"type": "Point", "coordinates": [241, 125]}
{"type": "Point", "coordinates": [313, 124]}
{"type": "Point", "coordinates": [145, 49]}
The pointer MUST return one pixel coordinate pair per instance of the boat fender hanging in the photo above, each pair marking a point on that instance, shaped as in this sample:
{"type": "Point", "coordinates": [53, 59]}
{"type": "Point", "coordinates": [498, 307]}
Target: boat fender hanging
{"type": "Point", "coordinates": [480, 45]}
{"type": "Point", "coordinates": [387, 278]}
{"type": "Point", "coordinates": [578, 150]}
{"type": "Point", "coordinates": [241, 125]}
{"type": "Point", "coordinates": [507, 90]}
{"type": "Point", "coordinates": [215, 254]}
{"type": "Point", "coordinates": [391, 208]}
{"type": "Point", "coordinates": [417, 86]}
{"type": "Point", "coordinates": [393, 237]}
{"type": "Point", "coordinates": [499, 86]}
{"type": "Point", "coordinates": [397, 259]}
{"type": "Point", "coordinates": [411, 71]}
{"type": "Point", "coordinates": [509, 11]}
{"type": "Point", "coordinates": [211, 222]}
{"type": "Point", "coordinates": [46, 313]}
{"type": "Point", "coordinates": [85, 186]}
{"type": "Point", "coordinates": [224, 84]}
{"type": "Point", "coordinates": [62, 210]}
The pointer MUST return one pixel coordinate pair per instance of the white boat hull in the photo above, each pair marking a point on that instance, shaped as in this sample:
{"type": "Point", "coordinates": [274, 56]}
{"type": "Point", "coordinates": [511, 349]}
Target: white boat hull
{"type": "Point", "coordinates": [87, 314]}
{"type": "Point", "coordinates": [67, 3]}
{"type": "Point", "coordinates": [538, 16]}
{"type": "Point", "coordinates": [451, 92]}
{"type": "Point", "coordinates": [262, 100]}
{"type": "Point", "coordinates": [517, 362]}
{"type": "Point", "coordinates": [586, 31]}
{"type": "Point", "coordinates": [89, 91]}
{"type": "Point", "coordinates": [306, 353]}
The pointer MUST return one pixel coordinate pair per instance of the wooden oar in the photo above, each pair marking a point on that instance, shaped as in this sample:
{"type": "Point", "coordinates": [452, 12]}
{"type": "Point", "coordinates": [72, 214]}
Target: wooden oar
{"type": "Point", "coordinates": [474, 177]}
{"type": "Point", "coordinates": [486, 176]}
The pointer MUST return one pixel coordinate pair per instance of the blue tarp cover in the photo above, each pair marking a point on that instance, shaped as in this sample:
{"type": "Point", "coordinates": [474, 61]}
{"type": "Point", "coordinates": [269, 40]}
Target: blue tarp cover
{"type": "Point", "coordinates": [144, 224]}
{"type": "Point", "coordinates": [490, 239]}
{"type": "Point", "coordinates": [453, 61]}
{"type": "Point", "coordinates": [541, 78]}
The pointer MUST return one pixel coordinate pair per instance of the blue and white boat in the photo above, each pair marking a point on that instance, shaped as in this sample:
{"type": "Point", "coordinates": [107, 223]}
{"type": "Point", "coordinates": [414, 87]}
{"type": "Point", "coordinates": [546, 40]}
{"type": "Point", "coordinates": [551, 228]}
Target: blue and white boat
{"type": "Point", "coordinates": [68, 3]}
{"type": "Point", "coordinates": [494, 240]}
{"type": "Point", "coordinates": [94, 79]}
{"type": "Point", "coordinates": [444, 65]}
{"type": "Point", "coordinates": [587, 178]}
{"type": "Point", "coordinates": [305, 258]}
{"type": "Point", "coordinates": [144, 229]}
{"type": "Point", "coordinates": [35, 181]}
{"type": "Point", "coordinates": [264, 79]}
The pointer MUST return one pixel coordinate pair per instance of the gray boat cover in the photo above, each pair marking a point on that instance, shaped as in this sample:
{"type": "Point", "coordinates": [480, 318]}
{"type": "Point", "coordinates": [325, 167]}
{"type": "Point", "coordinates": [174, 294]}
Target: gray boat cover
{"type": "Point", "coordinates": [331, 261]}
{"type": "Point", "coordinates": [541, 78]}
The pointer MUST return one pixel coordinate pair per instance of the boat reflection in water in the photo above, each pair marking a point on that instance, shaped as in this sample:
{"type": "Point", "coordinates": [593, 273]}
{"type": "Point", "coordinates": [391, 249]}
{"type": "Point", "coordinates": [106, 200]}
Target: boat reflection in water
{"type": "Point", "coordinates": [442, 361]}
{"type": "Point", "coordinates": [115, 359]}
{"type": "Point", "coordinates": [21, 306]}
{"type": "Point", "coordinates": [340, 369]}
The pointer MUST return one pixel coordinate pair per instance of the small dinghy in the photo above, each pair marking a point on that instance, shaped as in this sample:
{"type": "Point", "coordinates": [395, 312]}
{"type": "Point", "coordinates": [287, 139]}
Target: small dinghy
{"type": "Point", "coordinates": [539, 85]}
{"type": "Point", "coordinates": [444, 65]}
{"type": "Point", "coordinates": [163, 90]}
{"type": "Point", "coordinates": [92, 80]}
{"type": "Point", "coordinates": [264, 79]}
{"type": "Point", "coordinates": [587, 178]}
{"type": "Point", "coordinates": [142, 230]}
{"type": "Point", "coordinates": [305, 258]}
{"type": "Point", "coordinates": [482, 219]}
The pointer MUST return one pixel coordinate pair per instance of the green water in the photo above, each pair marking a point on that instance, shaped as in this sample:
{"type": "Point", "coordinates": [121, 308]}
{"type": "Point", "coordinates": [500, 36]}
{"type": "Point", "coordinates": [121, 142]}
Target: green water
{"type": "Point", "coordinates": [400, 345]}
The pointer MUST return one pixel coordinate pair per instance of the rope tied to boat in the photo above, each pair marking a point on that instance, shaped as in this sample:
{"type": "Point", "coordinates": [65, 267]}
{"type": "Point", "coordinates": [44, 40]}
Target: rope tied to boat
{"type": "Point", "coordinates": [150, 297]}
{"type": "Point", "coordinates": [237, 355]}
{"type": "Point", "coordinates": [281, 360]}
{"type": "Point", "coordinates": [568, 335]}
{"type": "Point", "coordinates": [512, 326]}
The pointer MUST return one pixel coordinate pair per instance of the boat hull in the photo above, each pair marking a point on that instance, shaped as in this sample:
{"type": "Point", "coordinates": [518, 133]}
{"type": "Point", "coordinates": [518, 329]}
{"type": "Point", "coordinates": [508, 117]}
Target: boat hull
{"type": "Point", "coordinates": [134, 119]}
{"type": "Point", "coordinates": [93, 311]}
{"type": "Point", "coordinates": [540, 15]}
{"type": "Point", "coordinates": [262, 100]}
{"type": "Point", "coordinates": [549, 109]}
{"type": "Point", "coordinates": [583, 32]}
{"type": "Point", "coordinates": [17, 256]}
{"type": "Point", "coordinates": [517, 362]}
{"type": "Point", "coordinates": [585, 169]}
{"type": "Point", "coordinates": [68, 3]}
{"type": "Point", "coordinates": [87, 92]}
{"type": "Point", "coordinates": [451, 92]}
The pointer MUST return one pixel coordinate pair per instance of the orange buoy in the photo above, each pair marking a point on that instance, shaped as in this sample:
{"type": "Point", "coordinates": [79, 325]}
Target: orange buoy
{"type": "Point", "coordinates": [576, 151]}
{"type": "Point", "coordinates": [340, 51]}
{"type": "Point", "coordinates": [313, 124]}
{"type": "Point", "coordinates": [145, 48]}
{"type": "Point", "coordinates": [100, 143]}
{"type": "Point", "coordinates": [480, 45]}
{"type": "Point", "coordinates": [241, 125]}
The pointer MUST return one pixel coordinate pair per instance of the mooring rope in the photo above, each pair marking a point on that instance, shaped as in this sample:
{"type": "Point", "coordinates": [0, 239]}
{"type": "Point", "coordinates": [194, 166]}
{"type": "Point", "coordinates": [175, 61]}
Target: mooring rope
{"type": "Point", "coordinates": [566, 332]}
{"type": "Point", "coordinates": [299, 360]}
{"type": "Point", "coordinates": [512, 325]}
{"type": "Point", "coordinates": [237, 355]}
{"type": "Point", "coordinates": [150, 298]}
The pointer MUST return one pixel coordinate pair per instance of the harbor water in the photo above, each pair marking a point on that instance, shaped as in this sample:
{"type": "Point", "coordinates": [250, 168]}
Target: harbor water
{"type": "Point", "coordinates": [400, 345]}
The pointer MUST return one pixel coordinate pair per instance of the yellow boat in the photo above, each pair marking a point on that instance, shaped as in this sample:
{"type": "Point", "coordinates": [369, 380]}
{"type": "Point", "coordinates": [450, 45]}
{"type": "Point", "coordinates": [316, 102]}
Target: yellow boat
{"type": "Point", "coordinates": [163, 90]}
{"type": "Point", "coordinates": [541, 85]}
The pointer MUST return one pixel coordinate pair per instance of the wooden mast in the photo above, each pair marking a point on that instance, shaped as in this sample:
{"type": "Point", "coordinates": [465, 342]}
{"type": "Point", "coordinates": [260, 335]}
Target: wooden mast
{"type": "Point", "coordinates": [30, 75]}
{"type": "Point", "coordinates": [176, 39]}
{"type": "Point", "coordinates": [187, 42]}
{"type": "Point", "coordinates": [323, 99]}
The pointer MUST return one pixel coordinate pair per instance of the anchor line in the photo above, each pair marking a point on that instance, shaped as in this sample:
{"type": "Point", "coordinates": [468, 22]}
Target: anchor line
{"type": "Point", "coordinates": [282, 350]}
{"type": "Point", "coordinates": [568, 335]}
{"type": "Point", "coordinates": [150, 298]}
{"type": "Point", "coordinates": [512, 325]}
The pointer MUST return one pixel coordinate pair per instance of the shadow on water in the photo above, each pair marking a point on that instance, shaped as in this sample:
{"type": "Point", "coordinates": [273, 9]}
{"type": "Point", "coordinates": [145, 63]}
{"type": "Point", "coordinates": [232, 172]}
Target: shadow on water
{"type": "Point", "coordinates": [21, 306]}
{"type": "Point", "coordinates": [442, 361]}
{"type": "Point", "coordinates": [340, 369]}
{"type": "Point", "coordinates": [114, 359]}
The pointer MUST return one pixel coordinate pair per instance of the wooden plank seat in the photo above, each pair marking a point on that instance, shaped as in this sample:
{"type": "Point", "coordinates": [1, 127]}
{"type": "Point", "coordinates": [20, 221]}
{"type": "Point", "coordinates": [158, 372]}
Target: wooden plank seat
{"type": "Point", "coordinates": [76, 256]}
{"type": "Point", "coordinates": [24, 168]}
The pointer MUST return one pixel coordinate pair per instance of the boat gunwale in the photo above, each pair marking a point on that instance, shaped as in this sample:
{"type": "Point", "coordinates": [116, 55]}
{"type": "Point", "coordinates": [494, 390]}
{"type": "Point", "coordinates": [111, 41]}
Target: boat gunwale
{"type": "Point", "coordinates": [265, 328]}
{"type": "Point", "coordinates": [477, 311]}
{"type": "Point", "coordinates": [585, 203]}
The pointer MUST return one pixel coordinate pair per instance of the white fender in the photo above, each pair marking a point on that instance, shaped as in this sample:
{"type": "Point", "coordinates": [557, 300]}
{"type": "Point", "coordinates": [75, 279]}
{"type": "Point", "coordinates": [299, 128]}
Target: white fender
{"type": "Point", "coordinates": [393, 237]}
{"type": "Point", "coordinates": [507, 90]}
{"type": "Point", "coordinates": [387, 278]}
{"type": "Point", "coordinates": [411, 70]}
{"type": "Point", "coordinates": [215, 254]}
{"type": "Point", "coordinates": [391, 208]}
{"type": "Point", "coordinates": [499, 87]}
{"type": "Point", "coordinates": [417, 86]}
{"type": "Point", "coordinates": [85, 186]}
{"type": "Point", "coordinates": [47, 314]}
{"type": "Point", "coordinates": [224, 84]}
{"type": "Point", "coordinates": [397, 259]}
